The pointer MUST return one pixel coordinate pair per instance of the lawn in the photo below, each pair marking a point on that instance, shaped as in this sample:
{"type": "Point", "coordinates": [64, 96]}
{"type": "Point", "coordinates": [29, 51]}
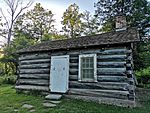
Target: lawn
{"type": "Point", "coordinates": [11, 102]}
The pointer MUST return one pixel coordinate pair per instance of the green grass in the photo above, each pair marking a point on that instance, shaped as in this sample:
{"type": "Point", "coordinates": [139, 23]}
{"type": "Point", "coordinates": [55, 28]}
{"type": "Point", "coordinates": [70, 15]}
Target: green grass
{"type": "Point", "coordinates": [10, 100]}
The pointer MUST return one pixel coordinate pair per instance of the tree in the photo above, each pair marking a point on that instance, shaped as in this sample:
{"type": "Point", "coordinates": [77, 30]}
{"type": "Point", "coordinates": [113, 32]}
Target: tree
{"type": "Point", "coordinates": [37, 22]}
{"type": "Point", "coordinates": [15, 8]}
{"type": "Point", "coordinates": [137, 13]}
{"type": "Point", "coordinates": [72, 21]}
{"type": "Point", "coordinates": [90, 24]}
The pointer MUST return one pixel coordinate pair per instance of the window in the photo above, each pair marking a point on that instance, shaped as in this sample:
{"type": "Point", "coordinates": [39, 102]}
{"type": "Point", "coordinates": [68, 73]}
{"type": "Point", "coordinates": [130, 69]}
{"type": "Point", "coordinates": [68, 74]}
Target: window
{"type": "Point", "coordinates": [87, 68]}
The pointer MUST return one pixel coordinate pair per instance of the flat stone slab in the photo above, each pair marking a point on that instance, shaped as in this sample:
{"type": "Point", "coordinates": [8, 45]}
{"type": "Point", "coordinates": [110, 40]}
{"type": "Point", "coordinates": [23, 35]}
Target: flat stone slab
{"type": "Point", "coordinates": [49, 105]}
{"type": "Point", "coordinates": [55, 102]}
{"type": "Point", "coordinates": [28, 106]}
{"type": "Point", "coordinates": [53, 97]}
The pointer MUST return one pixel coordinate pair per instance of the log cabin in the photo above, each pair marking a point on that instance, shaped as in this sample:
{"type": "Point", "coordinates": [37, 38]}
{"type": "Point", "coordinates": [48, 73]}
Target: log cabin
{"type": "Point", "coordinates": [99, 66]}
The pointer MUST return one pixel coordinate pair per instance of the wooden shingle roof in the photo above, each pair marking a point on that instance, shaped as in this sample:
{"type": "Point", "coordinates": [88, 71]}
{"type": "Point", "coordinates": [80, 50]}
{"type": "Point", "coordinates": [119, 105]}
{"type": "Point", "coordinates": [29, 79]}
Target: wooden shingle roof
{"type": "Point", "coordinates": [114, 37]}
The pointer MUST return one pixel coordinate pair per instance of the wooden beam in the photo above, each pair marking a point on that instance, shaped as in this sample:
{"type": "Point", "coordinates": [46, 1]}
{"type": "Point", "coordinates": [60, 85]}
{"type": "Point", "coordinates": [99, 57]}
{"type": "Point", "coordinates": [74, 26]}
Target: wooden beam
{"type": "Point", "coordinates": [73, 77]}
{"type": "Point", "coordinates": [111, 64]}
{"type": "Point", "coordinates": [99, 85]}
{"type": "Point", "coordinates": [35, 56]}
{"type": "Point", "coordinates": [102, 57]}
{"type": "Point", "coordinates": [35, 76]}
{"type": "Point", "coordinates": [35, 71]}
{"type": "Point", "coordinates": [111, 71]}
{"type": "Point", "coordinates": [34, 82]}
{"type": "Point", "coordinates": [32, 87]}
{"type": "Point", "coordinates": [35, 66]}
{"type": "Point", "coordinates": [100, 93]}
{"type": "Point", "coordinates": [112, 78]}
{"type": "Point", "coordinates": [35, 61]}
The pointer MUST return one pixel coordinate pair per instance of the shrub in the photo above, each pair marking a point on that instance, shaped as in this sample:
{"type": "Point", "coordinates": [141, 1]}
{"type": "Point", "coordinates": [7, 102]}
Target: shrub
{"type": "Point", "coordinates": [143, 75]}
{"type": "Point", "coordinates": [7, 79]}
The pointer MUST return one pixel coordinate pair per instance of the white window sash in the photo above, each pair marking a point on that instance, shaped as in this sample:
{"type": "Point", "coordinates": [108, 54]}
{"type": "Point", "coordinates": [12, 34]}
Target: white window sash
{"type": "Point", "coordinates": [95, 67]}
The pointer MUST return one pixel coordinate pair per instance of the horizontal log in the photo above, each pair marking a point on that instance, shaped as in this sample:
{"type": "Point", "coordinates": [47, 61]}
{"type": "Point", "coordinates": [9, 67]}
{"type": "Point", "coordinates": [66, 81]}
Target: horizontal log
{"type": "Point", "coordinates": [102, 57]}
{"type": "Point", "coordinates": [129, 65]}
{"type": "Point", "coordinates": [35, 61]}
{"type": "Point", "coordinates": [74, 58]}
{"type": "Point", "coordinates": [73, 64]}
{"type": "Point", "coordinates": [34, 82]}
{"type": "Point", "coordinates": [73, 77]}
{"type": "Point", "coordinates": [112, 78]}
{"type": "Point", "coordinates": [111, 71]}
{"type": "Point", "coordinates": [35, 56]}
{"type": "Point", "coordinates": [34, 71]}
{"type": "Point", "coordinates": [35, 76]}
{"type": "Point", "coordinates": [100, 93]}
{"type": "Point", "coordinates": [35, 66]}
{"type": "Point", "coordinates": [129, 58]}
{"type": "Point", "coordinates": [100, 85]}
{"type": "Point", "coordinates": [108, 101]}
{"type": "Point", "coordinates": [73, 70]}
{"type": "Point", "coordinates": [107, 51]}
{"type": "Point", "coordinates": [111, 64]}
{"type": "Point", "coordinates": [32, 87]}
{"type": "Point", "coordinates": [115, 51]}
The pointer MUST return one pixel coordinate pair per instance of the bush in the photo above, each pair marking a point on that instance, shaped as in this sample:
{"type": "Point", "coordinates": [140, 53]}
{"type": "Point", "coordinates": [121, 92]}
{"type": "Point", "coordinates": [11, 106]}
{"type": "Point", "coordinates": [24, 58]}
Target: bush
{"type": "Point", "coordinates": [143, 75]}
{"type": "Point", "coordinates": [7, 79]}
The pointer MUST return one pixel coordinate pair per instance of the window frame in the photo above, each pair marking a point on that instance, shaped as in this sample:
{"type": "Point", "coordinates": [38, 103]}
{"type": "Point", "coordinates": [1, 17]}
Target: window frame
{"type": "Point", "coordinates": [95, 68]}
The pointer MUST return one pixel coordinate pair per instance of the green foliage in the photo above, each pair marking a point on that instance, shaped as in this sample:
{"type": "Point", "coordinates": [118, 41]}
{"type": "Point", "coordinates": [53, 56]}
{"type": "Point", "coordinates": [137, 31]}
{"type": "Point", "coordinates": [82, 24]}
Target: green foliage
{"type": "Point", "coordinates": [9, 60]}
{"type": "Point", "coordinates": [72, 21]}
{"type": "Point", "coordinates": [54, 36]}
{"type": "Point", "coordinates": [90, 24]}
{"type": "Point", "coordinates": [36, 23]}
{"type": "Point", "coordinates": [137, 12]}
{"type": "Point", "coordinates": [7, 79]}
{"type": "Point", "coordinates": [143, 75]}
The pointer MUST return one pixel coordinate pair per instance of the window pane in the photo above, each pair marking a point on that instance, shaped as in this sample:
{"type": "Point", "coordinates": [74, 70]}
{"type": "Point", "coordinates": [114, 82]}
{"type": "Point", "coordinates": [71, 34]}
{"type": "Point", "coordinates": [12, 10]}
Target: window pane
{"type": "Point", "coordinates": [87, 68]}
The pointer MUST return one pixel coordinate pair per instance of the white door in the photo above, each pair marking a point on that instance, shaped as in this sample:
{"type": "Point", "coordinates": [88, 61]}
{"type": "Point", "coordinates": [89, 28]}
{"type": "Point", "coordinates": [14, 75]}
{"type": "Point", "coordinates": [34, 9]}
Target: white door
{"type": "Point", "coordinates": [59, 74]}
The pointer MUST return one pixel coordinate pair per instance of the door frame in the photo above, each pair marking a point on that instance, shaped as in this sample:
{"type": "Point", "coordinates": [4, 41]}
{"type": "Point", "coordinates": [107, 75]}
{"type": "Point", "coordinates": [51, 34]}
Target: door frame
{"type": "Point", "coordinates": [67, 68]}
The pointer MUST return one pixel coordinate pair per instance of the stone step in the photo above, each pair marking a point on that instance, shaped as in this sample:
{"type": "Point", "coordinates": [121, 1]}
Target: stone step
{"type": "Point", "coordinates": [53, 97]}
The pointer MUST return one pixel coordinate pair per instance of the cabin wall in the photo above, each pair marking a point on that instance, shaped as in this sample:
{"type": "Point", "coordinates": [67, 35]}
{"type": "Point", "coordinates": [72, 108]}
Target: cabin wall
{"type": "Point", "coordinates": [115, 74]}
{"type": "Point", "coordinates": [34, 71]}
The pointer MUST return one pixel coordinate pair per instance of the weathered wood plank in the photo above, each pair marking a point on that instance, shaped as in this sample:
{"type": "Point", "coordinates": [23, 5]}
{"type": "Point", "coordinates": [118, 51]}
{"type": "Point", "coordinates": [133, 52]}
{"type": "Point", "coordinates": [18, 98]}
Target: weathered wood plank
{"type": "Point", "coordinates": [111, 71]}
{"type": "Point", "coordinates": [100, 85]}
{"type": "Point", "coordinates": [73, 70]}
{"type": "Point", "coordinates": [35, 56]}
{"type": "Point", "coordinates": [34, 82]}
{"type": "Point", "coordinates": [73, 64]}
{"type": "Point", "coordinates": [100, 93]}
{"type": "Point", "coordinates": [35, 66]}
{"type": "Point", "coordinates": [74, 58]}
{"type": "Point", "coordinates": [73, 77]}
{"type": "Point", "coordinates": [32, 87]}
{"type": "Point", "coordinates": [35, 76]}
{"type": "Point", "coordinates": [102, 57]}
{"type": "Point", "coordinates": [111, 64]}
{"type": "Point", "coordinates": [115, 51]}
{"type": "Point", "coordinates": [35, 61]}
{"type": "Point", "coordinates": [112, 78]}
{"type": "Point", "coordinates": [34, 71]}
{"type": "Point", "coordinates": [107, 51]}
